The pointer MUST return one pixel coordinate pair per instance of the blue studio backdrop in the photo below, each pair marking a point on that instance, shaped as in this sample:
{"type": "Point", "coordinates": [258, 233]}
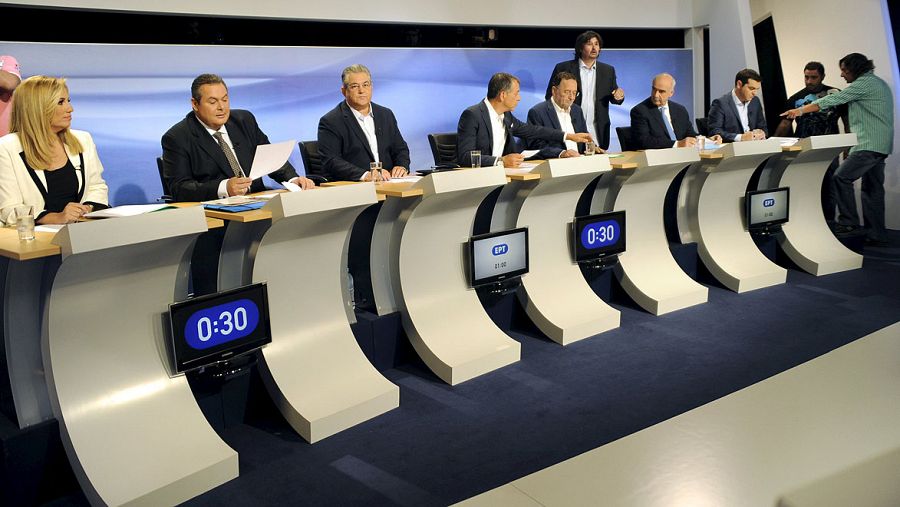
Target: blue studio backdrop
{"type": "Point", "coordinates": [127, 96]}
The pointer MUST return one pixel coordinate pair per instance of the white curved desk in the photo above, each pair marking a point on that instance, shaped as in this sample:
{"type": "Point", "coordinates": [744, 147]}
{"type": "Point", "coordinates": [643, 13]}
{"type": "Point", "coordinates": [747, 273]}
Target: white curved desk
{"type": "Point", "coordinates": [711, 213]}
{"type": "Point", "coordinates": [442, 316]}
{"type": "Point", "coordinates": [314, 370]}
{"type": "Point", "coordinates": [554, 293]}
{"type": "Point", "coordinates": [807, 240]}
{"type": "Point", "coordinates": [646, 270]}
{"type": "Point", "coordinates": [133, 434]}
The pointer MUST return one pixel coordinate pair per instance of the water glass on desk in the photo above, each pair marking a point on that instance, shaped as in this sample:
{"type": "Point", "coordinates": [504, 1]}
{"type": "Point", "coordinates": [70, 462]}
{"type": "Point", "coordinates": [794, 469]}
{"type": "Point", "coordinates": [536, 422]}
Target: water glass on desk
{"type": "Point", "coordinates": [589, 148]}
{"type": "Point", "coordinates": [476, 158]}
{"type": "Point", "coordinates": [25, 222]}
{"type": "Point", "coordinates": [375, 171]}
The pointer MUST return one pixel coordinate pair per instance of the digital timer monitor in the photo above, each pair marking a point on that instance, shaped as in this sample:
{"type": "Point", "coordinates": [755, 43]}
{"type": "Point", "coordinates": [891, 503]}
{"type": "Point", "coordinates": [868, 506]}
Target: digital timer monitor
{"type": "Point", "coordinates": [216, 327]}
{"type": "Point", "coordinates": [598, 236]}
{"type": "Point", "coordinates": [497, 256]}
{"type": "Point", "coordinates": [766, 208]}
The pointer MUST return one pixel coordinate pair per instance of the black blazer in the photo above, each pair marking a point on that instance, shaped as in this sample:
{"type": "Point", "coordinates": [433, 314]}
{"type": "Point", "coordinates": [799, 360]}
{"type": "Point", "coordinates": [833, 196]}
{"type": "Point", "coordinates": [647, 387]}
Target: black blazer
{"type": "Point", "coordinates": [345, 150]}
{"type": "Point", "coordinates": [474, 133]}
{"type": "Point", "coordinates": [725, 120]}
{"type": "Point", "coordinates": [648, 131]}
{"type": "Point", "coordinates": [194, 164]}
{"type": "Point", "coordinates": [543, 114]}
{"type": "Point", "coordinates": [605, 85]}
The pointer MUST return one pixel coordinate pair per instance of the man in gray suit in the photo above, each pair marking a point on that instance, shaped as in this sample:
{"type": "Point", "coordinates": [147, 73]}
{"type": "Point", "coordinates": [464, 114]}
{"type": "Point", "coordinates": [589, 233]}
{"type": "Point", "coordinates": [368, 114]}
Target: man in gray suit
{"type": "Point", "coordinates": [738, 115]}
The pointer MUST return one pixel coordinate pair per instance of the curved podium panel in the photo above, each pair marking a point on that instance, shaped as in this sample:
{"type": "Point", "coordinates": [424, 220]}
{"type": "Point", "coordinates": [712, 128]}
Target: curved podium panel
{"type": "Point", "coordinates": [716, 221]}
{"type": "Point", "coordinates": [807, 240]}
{"type": "Point", "coordinates": [442, 316]}
{"type": "Point", "coordinates": [314, 369]}
{"type": "Point", "coordinates": [647, 270]}
{"type": "Point", "coordinates": [133, 434]}
{"type": "Point", "coordinates": [554, 293]}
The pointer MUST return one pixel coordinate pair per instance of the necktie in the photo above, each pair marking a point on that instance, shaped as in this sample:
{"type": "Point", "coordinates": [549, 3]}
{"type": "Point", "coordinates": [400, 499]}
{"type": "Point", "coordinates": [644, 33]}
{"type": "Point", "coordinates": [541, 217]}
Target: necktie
{"type": "Point", "coordinates": [232, 160]}
{"type": "Point", "coordinates": [667, 123]}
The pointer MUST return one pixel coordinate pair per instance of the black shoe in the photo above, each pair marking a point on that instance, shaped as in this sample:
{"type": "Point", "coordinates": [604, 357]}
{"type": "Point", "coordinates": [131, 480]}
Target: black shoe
{"type": "Point", "coordinates": [876, 242]}
{"type": "Point", "coordinates": [844, 230]}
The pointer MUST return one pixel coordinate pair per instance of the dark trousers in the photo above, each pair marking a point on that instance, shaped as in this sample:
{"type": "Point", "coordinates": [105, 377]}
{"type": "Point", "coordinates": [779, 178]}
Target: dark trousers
{"type": "Point", "coordinates": [869, 166]}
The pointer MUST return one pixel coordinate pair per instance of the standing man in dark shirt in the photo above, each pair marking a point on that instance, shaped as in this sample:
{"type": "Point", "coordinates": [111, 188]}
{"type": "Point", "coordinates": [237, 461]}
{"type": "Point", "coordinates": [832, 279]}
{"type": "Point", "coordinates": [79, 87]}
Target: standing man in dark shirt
{"type": "Point", "coordinates": [597, 86]}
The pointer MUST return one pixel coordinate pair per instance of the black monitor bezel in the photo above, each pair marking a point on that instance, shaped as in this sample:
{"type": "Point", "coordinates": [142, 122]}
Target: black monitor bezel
{"type": "Point", "coordinates": [769, 223]}
{"type": "Point", "coordinates": [470, 258]}
{"type": "Point", "coordinates": [581, 254]}
{"type": "Point", "coordinates": [178, 344]}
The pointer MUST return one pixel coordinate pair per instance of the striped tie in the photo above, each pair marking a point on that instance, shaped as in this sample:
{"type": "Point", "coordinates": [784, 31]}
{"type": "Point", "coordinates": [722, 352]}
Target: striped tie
{"type": "Point", "coordinates": [232, 160]}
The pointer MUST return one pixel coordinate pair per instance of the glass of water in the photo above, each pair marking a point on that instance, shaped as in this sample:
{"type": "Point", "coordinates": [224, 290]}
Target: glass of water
{"type": "Point", "coordinates": [589, 148]}
{"type": "Point", "coordinates": [476, 158]}
{"type": "Point", "coordinates": [375, 171]}
{"type": "Point", "coordinates": [25, 222]}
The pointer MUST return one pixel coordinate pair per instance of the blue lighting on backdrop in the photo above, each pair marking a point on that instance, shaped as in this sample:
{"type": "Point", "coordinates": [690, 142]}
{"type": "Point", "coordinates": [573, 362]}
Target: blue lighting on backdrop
{"type": "Point", "coordinates": [127, 96]}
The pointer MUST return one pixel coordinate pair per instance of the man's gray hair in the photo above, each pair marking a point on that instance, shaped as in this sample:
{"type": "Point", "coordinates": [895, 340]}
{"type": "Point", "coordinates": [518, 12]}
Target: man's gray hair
{"type": "Point", "coordinates": [354, 69]}
{"type": "Point", "coordinates": [665, 74]}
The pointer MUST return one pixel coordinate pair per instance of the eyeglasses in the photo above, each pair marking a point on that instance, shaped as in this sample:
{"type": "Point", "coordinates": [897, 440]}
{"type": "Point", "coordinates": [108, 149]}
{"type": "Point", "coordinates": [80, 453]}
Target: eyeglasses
{"type": "Point", "coordinates": [354, 87]}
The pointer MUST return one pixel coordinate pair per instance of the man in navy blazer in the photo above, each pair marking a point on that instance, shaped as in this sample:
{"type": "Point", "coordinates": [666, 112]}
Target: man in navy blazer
{"type": "Point", "coordinates": [738, 115]}
{"type": "Point", "coordinates": [358, 131]}
{"type": "Point", "coordinates": [558, 112]}
{"type": "Point", "coordinates": [195, 164]}
{"type": "Point", "coordinates": [476, 129]}
{"type": "Point", "coordinates": [594, 102]}
{"type": "Point", "coordinates": [658, 122]}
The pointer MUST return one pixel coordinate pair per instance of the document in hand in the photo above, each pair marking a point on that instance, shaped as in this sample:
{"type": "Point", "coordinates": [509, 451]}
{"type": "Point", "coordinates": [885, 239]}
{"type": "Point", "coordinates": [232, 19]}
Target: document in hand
{"type": "Point", "coordinates": [270, 158]}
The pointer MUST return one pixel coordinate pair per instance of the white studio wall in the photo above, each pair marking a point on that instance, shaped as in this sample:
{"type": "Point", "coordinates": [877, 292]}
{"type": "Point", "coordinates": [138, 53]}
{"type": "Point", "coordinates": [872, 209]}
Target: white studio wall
{"type": "Point", "coordinates": [826, 30]}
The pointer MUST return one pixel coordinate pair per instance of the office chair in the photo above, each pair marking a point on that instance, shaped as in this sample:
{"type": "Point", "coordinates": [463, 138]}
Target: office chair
{"type": "Point", "coordinates": [166, 195]}
{"type": "Point", "coordinates": [702, 126]}
{"type": "Point", "coordinates": [625, 140]}
{"type": "Point", "coordinates": [312, 162]}
{"type": "Point", "coordinates": [443, 148]}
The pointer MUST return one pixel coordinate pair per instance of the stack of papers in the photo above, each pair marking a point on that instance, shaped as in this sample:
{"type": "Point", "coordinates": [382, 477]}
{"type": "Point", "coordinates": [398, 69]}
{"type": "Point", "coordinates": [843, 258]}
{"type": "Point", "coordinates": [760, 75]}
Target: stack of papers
{"type": "Point", "coordinates": [126, 211]}
{"type": "Point", "coordinates": [786, 141]}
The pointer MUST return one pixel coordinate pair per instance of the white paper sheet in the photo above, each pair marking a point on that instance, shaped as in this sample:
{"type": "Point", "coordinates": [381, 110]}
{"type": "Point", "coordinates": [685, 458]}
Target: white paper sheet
{"type": "Point", "coordinates": [291, 186]}
{"type": "Point", "coordinates": [530, 153]}
{"type": "Point", "coordinates": [405, 179]}
{"type": "Point", "coordinates": [49, 227]}
{"type": "Point", "coordinates": [125, 211]}
{"type": "Point", "coordinates": [270, 157]}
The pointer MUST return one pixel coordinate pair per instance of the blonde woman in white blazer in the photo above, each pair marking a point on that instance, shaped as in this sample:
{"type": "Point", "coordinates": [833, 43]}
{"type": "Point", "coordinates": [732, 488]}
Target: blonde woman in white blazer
{"type": "Point", "coordinates": [45, 164]}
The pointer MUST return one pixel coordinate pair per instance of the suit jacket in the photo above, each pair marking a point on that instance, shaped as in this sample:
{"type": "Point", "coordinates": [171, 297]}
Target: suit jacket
{"type": "Point", "coordinates": [19, 185]}
{"type": "Point", "coordinates": [194, 164]}
{"type": "Point", "coordinates": [474, 133]}
{"type": "Point", "coordinates": [345, 150]}
{"type": "Point", "coordinates": [648, 130]}
{"type": "Point", "coordinates": [544, 115]}
{"type": "Point", "coordinates": [605, 84]}
{"type": "Point", "coordinates": [725, 120]}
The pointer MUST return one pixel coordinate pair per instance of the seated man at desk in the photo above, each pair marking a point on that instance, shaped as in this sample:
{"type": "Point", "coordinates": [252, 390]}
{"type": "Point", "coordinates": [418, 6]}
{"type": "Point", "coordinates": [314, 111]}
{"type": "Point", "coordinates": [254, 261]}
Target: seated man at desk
{"type": "Point", "coordinates": [561, 113]}
{"type": "Point", "coordinates": [738, 115]}
{"type": "Point", "coordinates": [490, 127]}
{"type": "Point", "coordinates": [658, 122]}
{"type": "Point", "coordinates": [208, 154]}
{"type": "Point", "coordinates": [358, 131]}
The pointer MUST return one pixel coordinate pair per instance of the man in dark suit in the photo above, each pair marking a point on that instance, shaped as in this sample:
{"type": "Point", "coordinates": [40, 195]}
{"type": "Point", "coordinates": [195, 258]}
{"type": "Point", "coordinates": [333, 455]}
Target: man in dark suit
{"type": "Point", "coordinates": [594, 101]}
{"type": "Point", "coordinates": [489, 126]}
{"type": "Point", "coordinates": [358, 131]}
{"type": "Point", "coordinates": [738, 115]}
{"type": "Point", "coordinates": [658, 122]}
{"type": "Point", "coordinates": [208, 154]}
{"type": "Point", "coordinates": [561, 113]}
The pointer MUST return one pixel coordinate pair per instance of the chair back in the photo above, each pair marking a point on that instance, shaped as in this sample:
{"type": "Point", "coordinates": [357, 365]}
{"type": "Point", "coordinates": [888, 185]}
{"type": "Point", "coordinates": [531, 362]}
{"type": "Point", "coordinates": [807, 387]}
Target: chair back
{"type": "Point", "coordinates": [167, 196]}
{"type": "Point", "coordinates": [312, 162]}
{"type": "Point", "coordinates": [625, 140]}
{"type": "Point", "coordinates": [702, 126]}
{"type": "Point", "coordinates": [443, 148]}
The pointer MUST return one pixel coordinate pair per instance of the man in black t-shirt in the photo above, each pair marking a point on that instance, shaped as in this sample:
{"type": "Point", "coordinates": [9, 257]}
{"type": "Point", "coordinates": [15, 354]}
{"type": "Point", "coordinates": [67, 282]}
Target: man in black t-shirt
{"type": "Point", "coordinates": [816, 124]}
{"type": "Point", "coordinates": [813, 124]}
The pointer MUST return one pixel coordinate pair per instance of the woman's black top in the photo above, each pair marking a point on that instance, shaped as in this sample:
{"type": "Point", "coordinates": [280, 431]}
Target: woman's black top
{"type": "Point", "coordinates": [62, 188]}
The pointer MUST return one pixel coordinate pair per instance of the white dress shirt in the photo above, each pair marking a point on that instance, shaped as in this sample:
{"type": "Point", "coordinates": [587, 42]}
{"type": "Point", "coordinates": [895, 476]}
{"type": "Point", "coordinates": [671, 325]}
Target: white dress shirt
{"type": "Point", "coordinates": [565, 122]}
{"type": "Point", "coordinates": [743, 110]}
{"type": "Point", "coordinates": [367, 123]}
{"type": "Point", "coordinates": [498, 133]}
{"type": "Point", "coordinates": [588, 93]}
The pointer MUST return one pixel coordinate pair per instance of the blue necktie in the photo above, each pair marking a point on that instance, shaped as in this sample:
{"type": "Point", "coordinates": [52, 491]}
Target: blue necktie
{"type": "Point", "coordinates": [662, 111]}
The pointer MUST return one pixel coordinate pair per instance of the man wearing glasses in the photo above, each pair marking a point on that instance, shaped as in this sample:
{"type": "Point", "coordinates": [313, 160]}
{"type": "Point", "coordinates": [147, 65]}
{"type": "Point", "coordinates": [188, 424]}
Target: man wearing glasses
{"type": "Point", "coordinates": [561, 113]}
{"type": "Point", "coordinates": [358, 132]}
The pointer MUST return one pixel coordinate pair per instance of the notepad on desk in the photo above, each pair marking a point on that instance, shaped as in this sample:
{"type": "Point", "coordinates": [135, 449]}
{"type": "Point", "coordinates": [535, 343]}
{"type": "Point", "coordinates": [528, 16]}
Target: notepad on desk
{"type": "Point", "coordinates": [235, 208]}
